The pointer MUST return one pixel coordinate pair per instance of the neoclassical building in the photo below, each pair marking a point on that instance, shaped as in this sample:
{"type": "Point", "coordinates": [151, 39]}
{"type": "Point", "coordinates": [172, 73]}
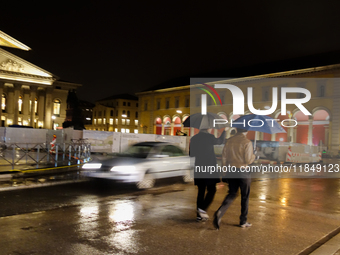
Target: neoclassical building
{"type": "Point", "coordinates": [162, 111]}
{"type": "Point", "coordinates": [31, 96]}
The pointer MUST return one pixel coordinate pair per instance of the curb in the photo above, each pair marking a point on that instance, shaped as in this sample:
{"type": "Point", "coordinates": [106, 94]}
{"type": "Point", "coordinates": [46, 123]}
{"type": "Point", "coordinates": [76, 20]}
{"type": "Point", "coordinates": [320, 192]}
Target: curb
{"type": "Point", "coordinates": [39, 185]}
{"type": "Point", "coordinates": [330, 247]}
{"type": "Point", "coordinates": [327, 245]}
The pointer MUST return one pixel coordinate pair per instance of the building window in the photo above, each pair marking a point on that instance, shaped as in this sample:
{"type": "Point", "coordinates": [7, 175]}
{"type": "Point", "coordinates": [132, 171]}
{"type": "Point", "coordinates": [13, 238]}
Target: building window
{"type": "Point", "coordinates": [136, 115]}
{"type": "Point", "coordinates": [176, 102]}
{"type": "Point", "coordinates": [95, 121]}
{"type": "Point", "coordinates": [129, 104]}
{"type": "Point", "coordinates": [222, 98]}
{"type": "Point", "coordinates": [116, 121]}
{"type": "Point", "coordinates": [104, 113]}
{"type": "Point", "coordinates": [124, 103]}
{"type": "Point", "coordinates": [127, 130]}
{"type": "Point", "coordinates": [111, 121]}
{"type": "Point", "coordinates": [265, 93]}
{"type": "Point", "coordinates": [209, 101]}
{"type": "Point", "coordinates": [99, 121]}
{"type": "Point", "coordinates": [127, 122]}
{"type": "Point", "coordinates": [122, 130]}
{"type": "Point", "coordinates": [111, 113]}
{"type": "Point", "coordinates": [145, 105]}
{"type": "Point", "coordinates": [136, 131]}
{"type": "Point", "coordinates": [322, 91]}
{"type": "Point", "coordinates": [116, 129]}
{"type": "Point", "coordinates": [187, 101]}
{"type": "Point", "coordinates": [198, 100]}
{"type": "Point", "coordinates": [136, 122]}
{"type": "Point", "coordinates": [136, 104]}
{"type": "Point", "coordinates": [104, 121]}
{"type": "Point", "coordinates": [99, 113]}
{"type": "Point", "coordinates": [20, 104]}
{"type": "Point", "coordinates": [56, 107]}
{"type": "Point", "coordinates": [167, 103]}
{"type": "Point", "coordinates": [128, 114]}
{"type": "Point", "coordinates": [3, 102]}
{"type": "Point", "coordinates": [123, 121]}
{"type": "Point", "coordinates": [158, 104]}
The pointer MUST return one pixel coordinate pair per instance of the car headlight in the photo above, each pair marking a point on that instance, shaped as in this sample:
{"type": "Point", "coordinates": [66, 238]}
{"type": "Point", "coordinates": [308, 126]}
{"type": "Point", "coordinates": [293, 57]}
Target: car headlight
{"type": "Point", "coordinates": [127, 169]}
{"type": "Point", "coordinates": [92, 166]}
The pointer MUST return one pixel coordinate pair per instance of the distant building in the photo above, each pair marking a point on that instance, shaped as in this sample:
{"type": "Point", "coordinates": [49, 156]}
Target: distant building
{"type": "Point", "coordinates": [30, 95]}
{"type": "Point", "coordinates": [164, 109]}
{"type": "Point", "coordinates": [86, 111]}
{"type": "Point", "coordinates": [118, 113]}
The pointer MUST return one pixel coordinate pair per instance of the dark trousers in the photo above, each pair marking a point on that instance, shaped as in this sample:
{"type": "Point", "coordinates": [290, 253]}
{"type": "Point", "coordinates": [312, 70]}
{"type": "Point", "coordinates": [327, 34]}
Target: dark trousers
{"type": "Point", "coordinates": [204, 200]}
{"type": "Point", "coordinates": [234, 185]}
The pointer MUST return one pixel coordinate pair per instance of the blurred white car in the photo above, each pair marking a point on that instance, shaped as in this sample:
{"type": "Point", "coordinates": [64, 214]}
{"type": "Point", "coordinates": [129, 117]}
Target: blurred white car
{"type": "Point", "coordinates": [142, 164]}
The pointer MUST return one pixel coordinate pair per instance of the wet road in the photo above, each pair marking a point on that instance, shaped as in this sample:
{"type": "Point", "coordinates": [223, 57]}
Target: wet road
{"type": "Point", "coordinates": [288, 215]}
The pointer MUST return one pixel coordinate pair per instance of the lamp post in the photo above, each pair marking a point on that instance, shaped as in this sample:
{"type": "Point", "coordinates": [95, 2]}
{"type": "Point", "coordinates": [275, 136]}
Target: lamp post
{"type": "Point", "coordinates": [53, 118]}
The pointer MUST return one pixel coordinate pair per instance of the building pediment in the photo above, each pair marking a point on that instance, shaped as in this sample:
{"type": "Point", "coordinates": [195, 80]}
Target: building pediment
{"type": "Point", "coordinates": [12, 63]}
{"type": "Point", "coordinates": [13, 67]}
{"type": "Point", "coordinates": [8, 41]}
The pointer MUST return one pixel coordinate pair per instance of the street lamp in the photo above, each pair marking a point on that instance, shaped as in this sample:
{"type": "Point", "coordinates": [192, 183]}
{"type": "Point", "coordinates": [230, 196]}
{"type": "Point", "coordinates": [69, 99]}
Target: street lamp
{"type": "Point", "coordinates": [53, 118]}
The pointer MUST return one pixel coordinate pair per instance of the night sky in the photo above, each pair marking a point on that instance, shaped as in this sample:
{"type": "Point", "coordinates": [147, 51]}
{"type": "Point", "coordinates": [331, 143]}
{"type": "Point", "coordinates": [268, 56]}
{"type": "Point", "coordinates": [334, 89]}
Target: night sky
{"type": "Point", "coordinates": [114, 47]}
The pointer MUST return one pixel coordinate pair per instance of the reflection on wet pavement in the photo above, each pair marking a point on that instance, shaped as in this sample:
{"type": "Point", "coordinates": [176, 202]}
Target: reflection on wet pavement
{"type": "Point", "coordinates": [287, 216]}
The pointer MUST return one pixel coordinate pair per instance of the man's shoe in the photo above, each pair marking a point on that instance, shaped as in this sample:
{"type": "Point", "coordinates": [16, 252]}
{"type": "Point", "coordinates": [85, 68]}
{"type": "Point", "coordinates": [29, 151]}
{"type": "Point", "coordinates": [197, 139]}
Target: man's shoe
{"type": "Point", "coordinates": [246, 225]}
{"type": "Point", "coordinates": [203, 214]}
{"type": "Point", "coordinates": [216, 221]}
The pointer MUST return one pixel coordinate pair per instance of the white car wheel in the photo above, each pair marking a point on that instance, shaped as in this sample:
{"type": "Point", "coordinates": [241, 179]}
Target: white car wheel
{"type": "Point", "coordinates": [147, 182]}
{"type": "Point", "coordinates": [187, 177]}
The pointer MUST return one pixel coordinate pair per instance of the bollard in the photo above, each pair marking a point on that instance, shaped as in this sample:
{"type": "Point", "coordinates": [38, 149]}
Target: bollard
{"type": "Point", "coordinates": [13, 156]}
{"type": "Point", "coordinates": [56, 155]}
{"type": "Point", "coordinates": [38, 152]}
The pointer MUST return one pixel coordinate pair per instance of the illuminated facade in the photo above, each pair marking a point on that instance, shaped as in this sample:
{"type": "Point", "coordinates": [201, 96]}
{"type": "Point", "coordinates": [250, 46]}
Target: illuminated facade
{"type": "Point", "coordinates": [30, 96]}
{"type": "Point", "coordinates": [163, 110]}
{"type": "Point", "coordinates": [118, 113]}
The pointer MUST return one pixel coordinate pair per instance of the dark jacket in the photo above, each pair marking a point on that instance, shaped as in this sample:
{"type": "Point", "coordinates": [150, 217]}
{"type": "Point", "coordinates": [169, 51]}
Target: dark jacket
{"type": "Point", "coordinates": [202, 148]}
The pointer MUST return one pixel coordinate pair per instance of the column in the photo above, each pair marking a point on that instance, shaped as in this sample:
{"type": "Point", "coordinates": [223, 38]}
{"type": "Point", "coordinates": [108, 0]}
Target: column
{"type": "Point", "coordinates": [172, 126]}
{"type": "Point", "coordinates": [10, 106]}
{"type": "Point", "coordinates": [310, 130]}
{"type": "Point", "coordinates": [41, 106]}
{"type": "Point", "coordinates": [17, 88]}
{"type": "Point", "coordinates": [335, 118]}
{"type": "Point", "coordinates": [32, 110]}
{"type": "Point", "coordinates": [26, 107]}
{"type": "Point", "coordinates": [326, 135]}
{"type": "Point", "coordinates": [2, 84]}
{"type": "Point", "coordinates": [48, 109]}
{"type": "Point", "coordinates": [162, 129]}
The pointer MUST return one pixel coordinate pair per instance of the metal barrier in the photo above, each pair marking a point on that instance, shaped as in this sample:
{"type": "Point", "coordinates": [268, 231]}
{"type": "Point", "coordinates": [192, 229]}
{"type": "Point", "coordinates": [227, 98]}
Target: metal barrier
{"type": "Point", "coordinates": [39, 154]}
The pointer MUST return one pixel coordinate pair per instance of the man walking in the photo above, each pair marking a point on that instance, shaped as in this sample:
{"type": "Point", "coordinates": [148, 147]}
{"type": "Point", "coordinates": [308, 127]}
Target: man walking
{"type": "Point", "coordinates": [202, 148]}
{"type": "Point", "coordinates": [238, 152]}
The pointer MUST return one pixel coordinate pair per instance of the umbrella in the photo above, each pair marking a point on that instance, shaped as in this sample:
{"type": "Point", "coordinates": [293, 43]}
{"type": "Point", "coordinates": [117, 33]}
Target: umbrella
{"type": "Point", "coordinates": [258, 123]}
{"type": "Point", "coordinates": [200, 121]}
